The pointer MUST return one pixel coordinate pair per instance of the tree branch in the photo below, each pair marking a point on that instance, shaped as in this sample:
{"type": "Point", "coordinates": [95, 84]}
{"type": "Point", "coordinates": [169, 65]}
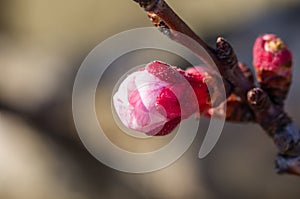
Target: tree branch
{"type": "Point", "coordinates": [251, 101]}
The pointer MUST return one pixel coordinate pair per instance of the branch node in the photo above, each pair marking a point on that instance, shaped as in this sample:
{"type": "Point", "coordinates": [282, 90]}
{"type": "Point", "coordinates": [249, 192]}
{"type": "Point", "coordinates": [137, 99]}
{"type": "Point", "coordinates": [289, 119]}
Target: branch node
{"type": "Point", "coordinates": [258, 99]}
{"type": "Point", "coordinates": [159, 23]}
{"type": "Point", "coordinates": [225, 53]}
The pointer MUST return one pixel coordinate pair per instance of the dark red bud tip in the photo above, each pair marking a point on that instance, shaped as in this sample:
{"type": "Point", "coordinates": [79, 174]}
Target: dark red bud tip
{"type": "Point", "coordinates": [270, 53]}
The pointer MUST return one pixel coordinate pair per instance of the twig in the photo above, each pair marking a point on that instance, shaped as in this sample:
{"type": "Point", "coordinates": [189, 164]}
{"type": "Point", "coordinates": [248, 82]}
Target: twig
{"type": "Point", "coordinates": [252, 100]}
{"type": "Point", "coordinates": [170, 23]}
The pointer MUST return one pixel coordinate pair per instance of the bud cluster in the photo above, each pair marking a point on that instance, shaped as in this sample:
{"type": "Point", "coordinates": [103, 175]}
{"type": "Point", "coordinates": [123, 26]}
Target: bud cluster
{"type": "Point", "coordinates": [155, 99]}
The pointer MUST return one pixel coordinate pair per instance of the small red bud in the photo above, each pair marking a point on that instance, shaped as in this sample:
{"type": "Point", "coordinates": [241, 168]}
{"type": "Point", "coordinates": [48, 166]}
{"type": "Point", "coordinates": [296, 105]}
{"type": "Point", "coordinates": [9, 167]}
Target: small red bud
{"type": "Point", "coordinates": [272, 61]}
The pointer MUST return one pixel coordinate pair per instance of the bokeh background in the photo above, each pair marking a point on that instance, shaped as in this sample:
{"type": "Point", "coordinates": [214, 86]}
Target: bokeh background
{"type": "Point", "coordinates": [42, 44]}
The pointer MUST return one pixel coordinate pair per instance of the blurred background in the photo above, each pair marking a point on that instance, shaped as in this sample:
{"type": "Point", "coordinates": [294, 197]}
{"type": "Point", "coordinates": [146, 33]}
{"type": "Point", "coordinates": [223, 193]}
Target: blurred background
{"type": "Point", "coordinates": [43, 43]}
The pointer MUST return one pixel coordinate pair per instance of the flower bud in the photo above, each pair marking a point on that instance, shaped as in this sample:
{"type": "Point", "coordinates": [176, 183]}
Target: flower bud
{"type": "Point", "coordinates": [273, 64]}
{"type": "Point", "coordinates": [153, 100]}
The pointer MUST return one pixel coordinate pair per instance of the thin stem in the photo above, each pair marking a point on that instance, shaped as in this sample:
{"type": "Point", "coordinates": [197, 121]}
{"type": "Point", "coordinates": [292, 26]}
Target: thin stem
{"type": "Point", "coordinates": [165, 18]}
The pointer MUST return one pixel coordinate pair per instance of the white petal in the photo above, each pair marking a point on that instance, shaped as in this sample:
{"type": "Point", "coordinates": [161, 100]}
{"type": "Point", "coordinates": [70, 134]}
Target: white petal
{"type": "Point", "coordinates": [149, 88]}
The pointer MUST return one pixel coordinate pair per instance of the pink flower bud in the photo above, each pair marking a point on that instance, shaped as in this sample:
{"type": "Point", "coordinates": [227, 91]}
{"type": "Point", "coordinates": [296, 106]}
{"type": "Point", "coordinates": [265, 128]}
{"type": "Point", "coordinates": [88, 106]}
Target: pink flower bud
{"type": "Point", "coordinates": [272, 61]}
{"type": "Point", "coordinates": [155, 99]}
